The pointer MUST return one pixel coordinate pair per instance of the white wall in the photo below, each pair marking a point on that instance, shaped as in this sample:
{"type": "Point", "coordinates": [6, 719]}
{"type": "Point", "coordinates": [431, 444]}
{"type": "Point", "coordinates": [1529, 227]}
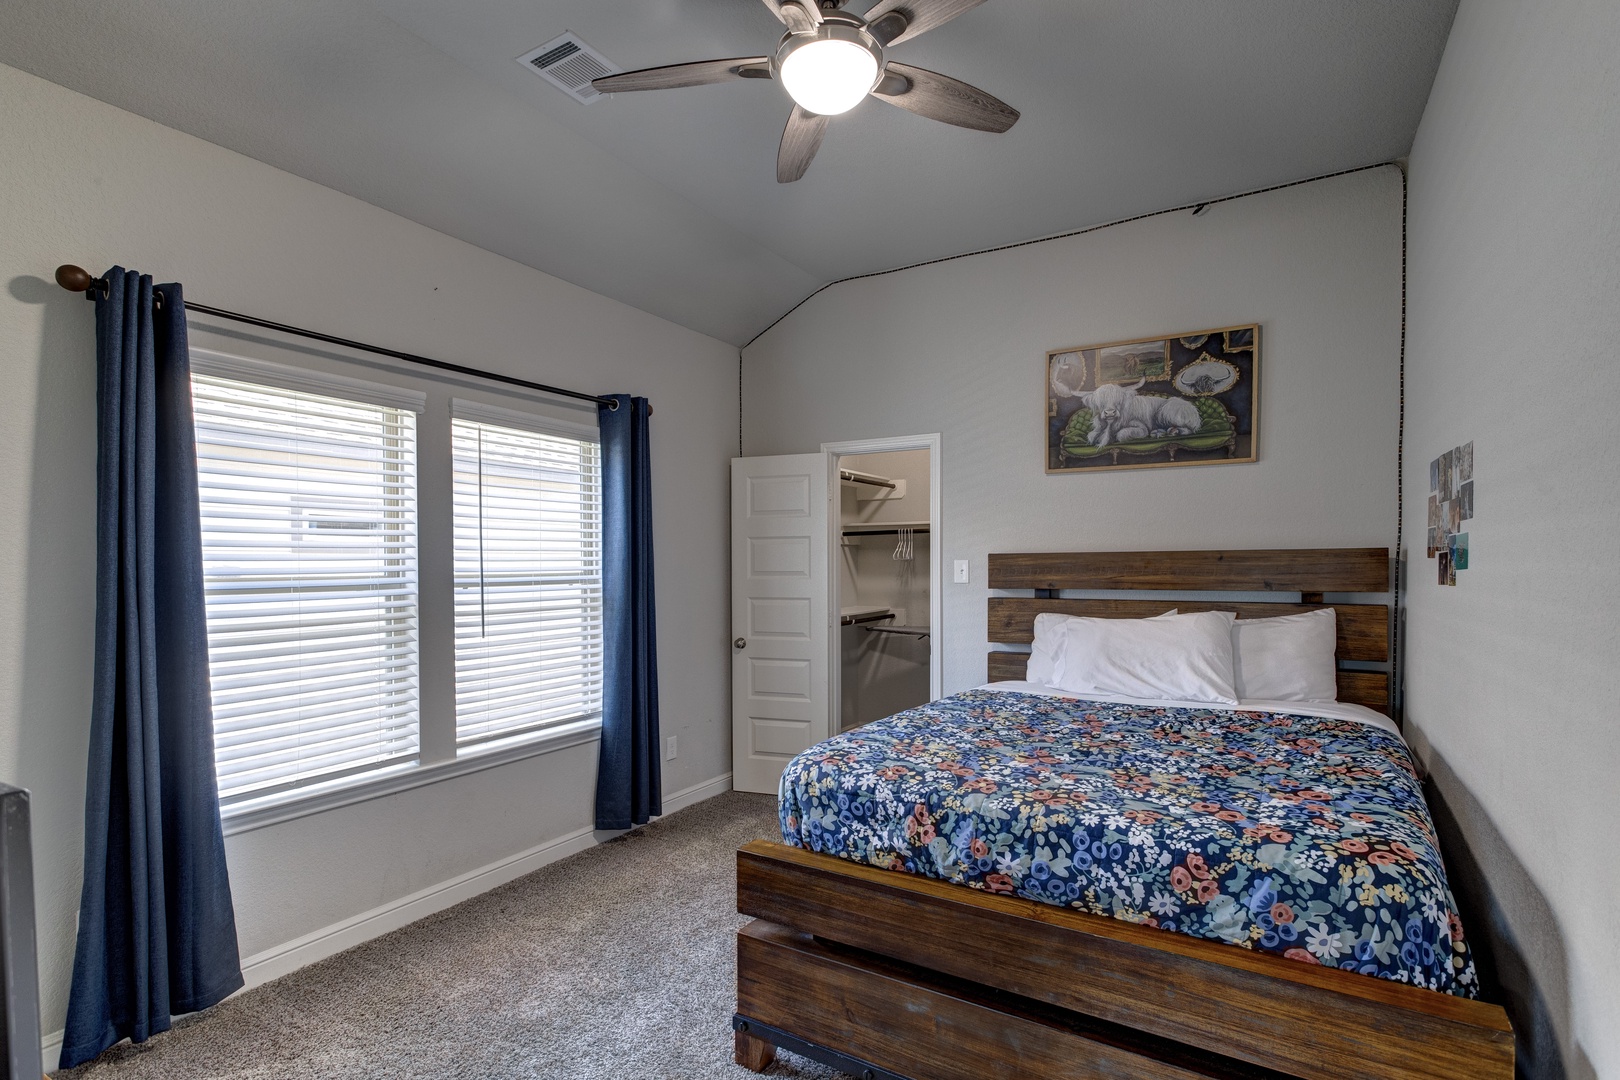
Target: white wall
{"type": "Point", "coordinates": [960, 348]}
{"type": "Point", "coordinates": [83, 182]}
{"type": "Point", "coordinates": [1512, 676]}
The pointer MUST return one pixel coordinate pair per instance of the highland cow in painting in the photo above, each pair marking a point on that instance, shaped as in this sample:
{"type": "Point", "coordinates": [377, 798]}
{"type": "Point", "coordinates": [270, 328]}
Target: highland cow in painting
{"type": "Point", "coordinates": [1120, 414]}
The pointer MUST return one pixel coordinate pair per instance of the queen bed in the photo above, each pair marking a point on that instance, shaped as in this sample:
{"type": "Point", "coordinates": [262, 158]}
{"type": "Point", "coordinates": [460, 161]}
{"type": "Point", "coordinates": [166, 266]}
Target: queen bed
{"type": "Point", "coordinates": [1091, 884]}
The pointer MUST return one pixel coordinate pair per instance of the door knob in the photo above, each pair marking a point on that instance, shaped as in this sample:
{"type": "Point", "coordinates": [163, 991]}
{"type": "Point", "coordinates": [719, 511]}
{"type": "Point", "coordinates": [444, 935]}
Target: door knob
{"type": "Point", "coordinates": [740, 643]}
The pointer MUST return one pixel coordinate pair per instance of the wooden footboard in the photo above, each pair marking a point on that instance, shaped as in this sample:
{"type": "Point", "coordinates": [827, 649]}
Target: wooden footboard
{"type": "Point", "coordinates": [895, 1020]}
{"type": "Point", "coordinates": [1006, 976]}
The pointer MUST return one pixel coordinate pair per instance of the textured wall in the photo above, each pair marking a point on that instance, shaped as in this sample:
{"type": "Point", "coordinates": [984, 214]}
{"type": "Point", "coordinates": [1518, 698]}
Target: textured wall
{"type": "Point", "coordinates": [959, 348]}
{"type": "Point", "coordinates": [83, 182]}
{"type": "Point", "coordinates": [1511, 676]}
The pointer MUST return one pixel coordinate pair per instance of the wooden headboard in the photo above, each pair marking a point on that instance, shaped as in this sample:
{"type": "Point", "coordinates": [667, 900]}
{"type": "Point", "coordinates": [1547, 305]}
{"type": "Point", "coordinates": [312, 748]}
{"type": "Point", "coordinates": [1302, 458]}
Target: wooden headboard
{"type": "Point", "coordinates": [1309, 572]}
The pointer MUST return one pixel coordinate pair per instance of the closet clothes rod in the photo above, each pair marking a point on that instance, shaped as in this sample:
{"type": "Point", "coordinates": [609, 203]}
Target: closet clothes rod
{"type": "Point", "coordinates": [78, 279]}
{"type": "Point", "coordinates": [865, 478]}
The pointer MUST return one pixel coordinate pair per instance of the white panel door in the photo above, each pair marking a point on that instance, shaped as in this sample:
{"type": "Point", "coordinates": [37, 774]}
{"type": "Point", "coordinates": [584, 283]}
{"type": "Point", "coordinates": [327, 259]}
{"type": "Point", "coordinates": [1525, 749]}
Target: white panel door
{"type": "Point", "coordinates": [779, 605]}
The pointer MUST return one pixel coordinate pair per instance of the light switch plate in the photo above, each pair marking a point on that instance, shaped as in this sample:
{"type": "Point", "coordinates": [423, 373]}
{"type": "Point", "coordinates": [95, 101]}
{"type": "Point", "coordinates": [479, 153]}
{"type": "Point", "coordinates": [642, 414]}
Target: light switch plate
{"type": "Point", "coordinates": [961, 572]}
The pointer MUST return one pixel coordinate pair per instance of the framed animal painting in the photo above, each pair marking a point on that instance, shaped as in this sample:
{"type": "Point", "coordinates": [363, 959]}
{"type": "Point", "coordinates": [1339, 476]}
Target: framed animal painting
{"type": "Point", "coordinates": [1192, 399]}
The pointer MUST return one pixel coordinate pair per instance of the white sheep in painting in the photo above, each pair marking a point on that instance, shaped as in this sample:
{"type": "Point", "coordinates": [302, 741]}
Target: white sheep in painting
{"type": "Point", "coordinates": [1120, 415]}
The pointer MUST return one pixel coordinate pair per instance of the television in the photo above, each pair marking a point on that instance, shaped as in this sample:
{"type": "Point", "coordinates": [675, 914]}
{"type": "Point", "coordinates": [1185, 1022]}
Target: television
{"type": "Point", "coordinates": [19, 1031]}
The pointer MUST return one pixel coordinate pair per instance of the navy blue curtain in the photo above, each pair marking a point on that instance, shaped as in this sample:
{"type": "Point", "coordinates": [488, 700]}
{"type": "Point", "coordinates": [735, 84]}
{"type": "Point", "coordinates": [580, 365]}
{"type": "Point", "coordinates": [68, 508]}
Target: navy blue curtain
{"type": "Point", "coordinates": [628, 787]}
{"type": "Point", "coordinates": [157, 933]}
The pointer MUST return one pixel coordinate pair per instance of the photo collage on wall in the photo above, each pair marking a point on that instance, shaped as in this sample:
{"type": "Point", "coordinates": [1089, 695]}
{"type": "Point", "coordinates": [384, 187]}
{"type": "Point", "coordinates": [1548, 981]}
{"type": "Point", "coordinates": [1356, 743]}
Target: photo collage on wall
{"type": "Point", "coordinates": [1451, 502]}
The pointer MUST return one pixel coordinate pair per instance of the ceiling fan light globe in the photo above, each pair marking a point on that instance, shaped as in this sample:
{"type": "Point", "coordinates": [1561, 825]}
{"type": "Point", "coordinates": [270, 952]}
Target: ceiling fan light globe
{"type": "Point", "coordinates": [830, 75]}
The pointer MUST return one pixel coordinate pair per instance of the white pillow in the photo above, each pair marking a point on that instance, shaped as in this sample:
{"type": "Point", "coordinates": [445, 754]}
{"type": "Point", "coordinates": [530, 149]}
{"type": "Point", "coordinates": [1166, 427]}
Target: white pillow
{"type": "Point", "coordinates": [1043, 655]}
{"type": "Point", "coordinates": [1170, 658]}
{"type": "Point", "coordinates": [1289, 658]}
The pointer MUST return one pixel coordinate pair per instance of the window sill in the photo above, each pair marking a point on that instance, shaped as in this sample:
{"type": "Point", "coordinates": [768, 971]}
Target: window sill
{"type": "Point", "coordinates": [292, 805]}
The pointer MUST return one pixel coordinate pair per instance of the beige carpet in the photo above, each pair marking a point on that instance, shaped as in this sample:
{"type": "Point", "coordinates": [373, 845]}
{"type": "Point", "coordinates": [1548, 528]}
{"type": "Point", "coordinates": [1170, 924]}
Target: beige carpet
{"type": "Point", "coordinates": [615, 964]}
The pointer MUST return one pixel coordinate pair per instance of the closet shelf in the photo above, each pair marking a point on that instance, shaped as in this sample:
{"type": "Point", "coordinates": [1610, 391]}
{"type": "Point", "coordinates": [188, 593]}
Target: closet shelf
{"type": "Point", "coordinates": [878, 528]}
{"type": "Point", "coordinates": [903, 631]}
{"type": "Point", "coordinates": [853, 616]}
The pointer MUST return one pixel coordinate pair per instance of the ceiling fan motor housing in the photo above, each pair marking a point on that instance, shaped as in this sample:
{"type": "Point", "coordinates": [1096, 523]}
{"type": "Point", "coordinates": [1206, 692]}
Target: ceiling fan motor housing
{"type": "Point", "coordinates": [836, 26]}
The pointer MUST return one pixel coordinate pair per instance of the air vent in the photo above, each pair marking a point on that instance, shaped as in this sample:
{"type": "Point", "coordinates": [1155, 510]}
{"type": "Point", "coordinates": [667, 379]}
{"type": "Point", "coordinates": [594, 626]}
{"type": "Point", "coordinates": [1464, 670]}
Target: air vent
{"type": "Point", "coordinates": [569, 64]}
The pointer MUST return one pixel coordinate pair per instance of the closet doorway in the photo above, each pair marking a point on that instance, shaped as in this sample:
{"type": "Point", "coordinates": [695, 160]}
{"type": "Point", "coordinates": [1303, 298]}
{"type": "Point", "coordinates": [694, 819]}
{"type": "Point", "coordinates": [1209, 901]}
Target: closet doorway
{"type": "Point", "coordinates": [835, 595]}
{"type": "Point", "coordinates": [884, 577]}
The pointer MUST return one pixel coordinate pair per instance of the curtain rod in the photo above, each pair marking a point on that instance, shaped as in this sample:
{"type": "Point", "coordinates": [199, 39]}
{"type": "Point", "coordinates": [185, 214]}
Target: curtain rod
{"type": "Point", "coordinates": [78, 279]}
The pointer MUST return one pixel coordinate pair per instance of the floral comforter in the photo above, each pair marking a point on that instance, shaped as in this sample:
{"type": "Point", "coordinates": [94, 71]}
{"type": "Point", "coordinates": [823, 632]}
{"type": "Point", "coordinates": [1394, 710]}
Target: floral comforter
{"type": "Point", "coordinates": [1294, 835]}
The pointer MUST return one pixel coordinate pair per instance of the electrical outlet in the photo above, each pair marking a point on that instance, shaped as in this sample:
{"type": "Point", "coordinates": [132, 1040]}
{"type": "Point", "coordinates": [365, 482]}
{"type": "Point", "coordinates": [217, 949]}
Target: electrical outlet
{"type": "Point", "coordinates": [669, 748]}
{"type": "Point", "coordinates": [961, 572]}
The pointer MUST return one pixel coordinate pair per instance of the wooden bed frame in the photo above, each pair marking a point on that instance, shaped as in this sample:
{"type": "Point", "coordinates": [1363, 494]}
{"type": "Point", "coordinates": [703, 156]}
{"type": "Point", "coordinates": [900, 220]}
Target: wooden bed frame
{"type": "Point", "coordinates": [892, 976]}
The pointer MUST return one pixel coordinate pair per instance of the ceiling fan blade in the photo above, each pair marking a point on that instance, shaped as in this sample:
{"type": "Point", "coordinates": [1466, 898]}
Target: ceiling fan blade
{"type": "Point", "coordinates": [796, 16]}
{"type": "Point", "coordinates": [920, 17]}
{"type": "Point", "coordinates": [699, 74]}
{"type": "Point", "coordinates": [800, 141]}
{"type": "Point", "coordinates": [940, 97]}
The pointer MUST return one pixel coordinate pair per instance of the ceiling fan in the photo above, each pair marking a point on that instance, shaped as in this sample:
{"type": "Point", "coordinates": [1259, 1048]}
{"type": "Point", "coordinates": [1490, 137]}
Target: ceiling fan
{"type": "Point", "coordinates": [829, 61]}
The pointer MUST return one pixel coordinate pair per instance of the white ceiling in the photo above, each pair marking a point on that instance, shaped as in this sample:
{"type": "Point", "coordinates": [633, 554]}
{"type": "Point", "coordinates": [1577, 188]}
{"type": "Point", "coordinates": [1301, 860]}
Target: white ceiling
{"type": "Point", "coordinates": [668, 201]}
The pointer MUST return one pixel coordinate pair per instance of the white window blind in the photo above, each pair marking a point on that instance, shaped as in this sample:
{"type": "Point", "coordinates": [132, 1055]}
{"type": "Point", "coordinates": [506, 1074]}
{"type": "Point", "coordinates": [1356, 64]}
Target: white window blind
{"type": "Point", "coordinates": [528, 580]}
{"type": "Point", "coordinates": [309, 564]}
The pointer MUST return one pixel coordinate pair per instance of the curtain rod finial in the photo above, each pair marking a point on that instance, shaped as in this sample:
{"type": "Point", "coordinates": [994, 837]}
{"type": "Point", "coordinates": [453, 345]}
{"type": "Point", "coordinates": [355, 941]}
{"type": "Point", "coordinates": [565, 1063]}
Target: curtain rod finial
{"type": "Point", "coordinates": [74, 278]}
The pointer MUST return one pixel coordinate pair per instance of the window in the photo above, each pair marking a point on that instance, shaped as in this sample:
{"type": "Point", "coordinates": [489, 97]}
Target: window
{"type": "Point", "coordinates": [339, 654]}
{"type": "Point", "coordinates": [528, 579]}
{"type": "Point", "coordinates": [309, 563]}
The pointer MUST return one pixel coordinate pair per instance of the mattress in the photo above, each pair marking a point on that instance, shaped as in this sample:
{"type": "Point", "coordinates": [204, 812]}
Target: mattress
{"type": "Point", "coordinates": [1280, 831]}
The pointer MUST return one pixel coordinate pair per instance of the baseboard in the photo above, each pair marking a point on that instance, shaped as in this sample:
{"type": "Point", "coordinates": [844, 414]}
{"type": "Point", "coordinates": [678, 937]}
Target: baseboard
{"type": "Point", "coordinates": [286, 958]}
{"type": "Point", "coordinates": [51, 1052]}
{"type": "Point", "coordinates": [685, 797]}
